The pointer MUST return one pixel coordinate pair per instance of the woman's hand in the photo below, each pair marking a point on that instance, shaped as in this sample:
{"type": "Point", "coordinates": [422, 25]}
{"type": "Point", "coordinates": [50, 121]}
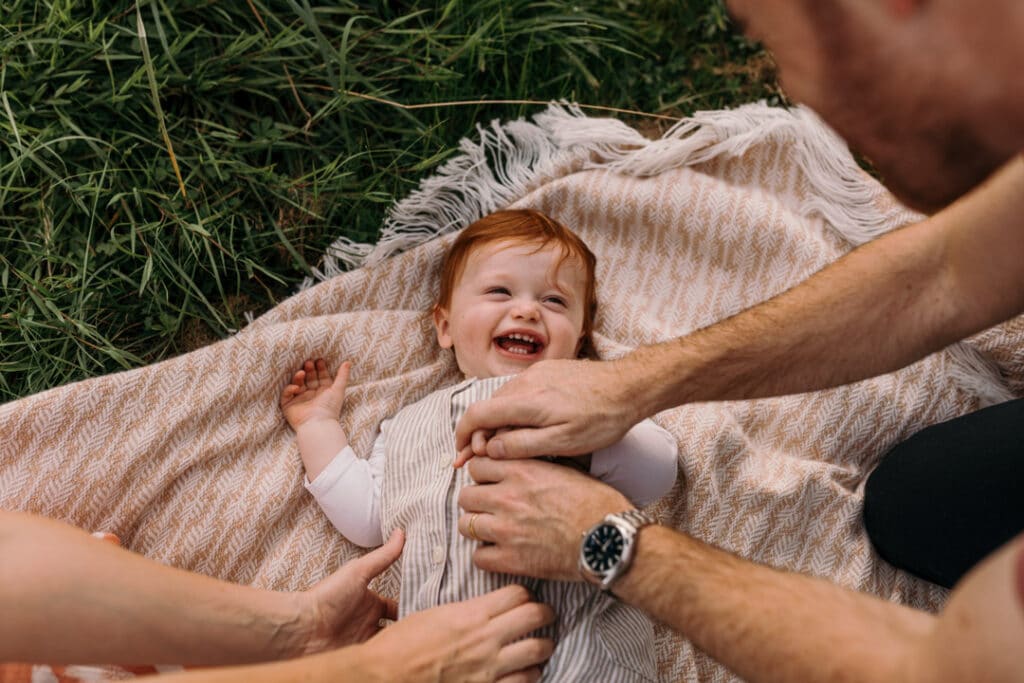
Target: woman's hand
{"type": "Point", "coordinates": [341, 609]}
{"type": "Point", "coordinates": [475, 641]}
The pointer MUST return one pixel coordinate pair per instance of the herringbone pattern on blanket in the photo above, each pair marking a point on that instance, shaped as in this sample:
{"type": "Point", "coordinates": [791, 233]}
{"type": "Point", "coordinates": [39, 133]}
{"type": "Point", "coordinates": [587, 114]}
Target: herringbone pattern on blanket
{"type": "Point", "coordinates": [190, 461]}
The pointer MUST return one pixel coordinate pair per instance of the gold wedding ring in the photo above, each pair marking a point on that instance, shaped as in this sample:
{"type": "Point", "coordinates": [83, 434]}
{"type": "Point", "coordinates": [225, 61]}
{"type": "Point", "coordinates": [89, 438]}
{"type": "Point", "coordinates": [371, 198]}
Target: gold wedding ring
{"type": "Point", "coordinates": [472, 526]}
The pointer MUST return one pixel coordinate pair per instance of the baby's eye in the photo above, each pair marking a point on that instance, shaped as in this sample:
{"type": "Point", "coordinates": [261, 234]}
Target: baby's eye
{"type": "Point", "coordinates": [499, 290]}
{"type": "Point", "coordinates": [557, 300]}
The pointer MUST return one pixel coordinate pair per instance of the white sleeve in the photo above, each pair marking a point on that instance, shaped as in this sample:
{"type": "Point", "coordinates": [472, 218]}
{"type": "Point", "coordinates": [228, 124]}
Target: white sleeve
{"type": "Point", "coordinates": [348, 491]}
{"type": "Point", "coordinates": [642, 466]}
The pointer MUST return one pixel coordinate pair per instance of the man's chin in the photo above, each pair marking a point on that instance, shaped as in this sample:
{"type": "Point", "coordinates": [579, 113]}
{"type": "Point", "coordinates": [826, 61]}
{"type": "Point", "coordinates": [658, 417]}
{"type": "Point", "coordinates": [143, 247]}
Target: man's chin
{"type": "Point", "coordinates": [932, 167]}
{"type": "Point", "coordinates": [931, 189]}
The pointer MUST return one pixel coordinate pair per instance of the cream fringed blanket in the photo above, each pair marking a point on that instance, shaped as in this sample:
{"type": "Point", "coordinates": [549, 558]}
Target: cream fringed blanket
{"type": "Point", "coordinates": [191, 462]}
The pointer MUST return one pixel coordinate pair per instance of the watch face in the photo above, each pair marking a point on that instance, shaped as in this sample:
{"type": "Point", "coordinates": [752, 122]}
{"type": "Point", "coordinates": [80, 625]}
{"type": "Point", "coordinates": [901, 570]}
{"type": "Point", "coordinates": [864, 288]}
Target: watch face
{"type": "Point", "coordinates": [603, 548]}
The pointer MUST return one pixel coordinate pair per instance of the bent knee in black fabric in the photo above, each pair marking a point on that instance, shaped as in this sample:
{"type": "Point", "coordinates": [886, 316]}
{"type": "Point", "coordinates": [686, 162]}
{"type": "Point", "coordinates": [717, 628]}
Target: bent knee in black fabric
{"type": "Point", "coordinates": [949, 495]}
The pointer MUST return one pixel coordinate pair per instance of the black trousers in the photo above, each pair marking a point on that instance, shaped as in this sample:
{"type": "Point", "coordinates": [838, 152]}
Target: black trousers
{"type": "Point", "coordinates": [949, 495]}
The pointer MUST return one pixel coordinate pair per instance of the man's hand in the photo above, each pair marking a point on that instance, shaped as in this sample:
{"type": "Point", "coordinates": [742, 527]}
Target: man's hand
{"type": "Point", "coordinates": [313, 394]}
{"type": "Point", "coordinates": [341, 609]}
{"type": "Point", "coordinates": [555, 407]}
{"type": "Point", "coordinates": [531, 515]}
{"type": "Point", "coordinates": [477, 640]}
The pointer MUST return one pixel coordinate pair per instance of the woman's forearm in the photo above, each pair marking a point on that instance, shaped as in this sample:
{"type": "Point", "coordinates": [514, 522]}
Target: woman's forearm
{"type": "Point", "coordinates": [351, 663]}
{"type": "Point", "coordinates": [67, 597]}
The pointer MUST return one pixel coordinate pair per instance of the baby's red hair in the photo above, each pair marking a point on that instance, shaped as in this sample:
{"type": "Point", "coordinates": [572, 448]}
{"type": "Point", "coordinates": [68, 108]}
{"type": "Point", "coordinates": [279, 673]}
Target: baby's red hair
{"type": "Point", "coordinates": [524, 226]}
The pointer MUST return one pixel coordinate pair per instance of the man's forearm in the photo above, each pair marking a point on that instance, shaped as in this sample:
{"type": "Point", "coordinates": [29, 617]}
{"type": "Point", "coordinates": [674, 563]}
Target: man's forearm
{"type": "Point", "coordinates": [881, 307]}
{"type": "Point", "coordinates": [70, 598]}
{"type": "Point", "coordinates": [768, 625]}
{"type": "Point", "coordinates": [877, 309]}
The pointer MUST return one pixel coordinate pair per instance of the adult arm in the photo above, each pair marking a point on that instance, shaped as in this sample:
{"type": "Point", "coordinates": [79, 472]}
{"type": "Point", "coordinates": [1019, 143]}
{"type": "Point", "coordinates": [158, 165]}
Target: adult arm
{"type": "Point", "coordinates": [476, 640]}
{"type": "Point", "coordinates": [67, 597]}
{"type": "Point", "coordinates": [764, 624]}
{"type": "Point", "coordinates": [879, 308]}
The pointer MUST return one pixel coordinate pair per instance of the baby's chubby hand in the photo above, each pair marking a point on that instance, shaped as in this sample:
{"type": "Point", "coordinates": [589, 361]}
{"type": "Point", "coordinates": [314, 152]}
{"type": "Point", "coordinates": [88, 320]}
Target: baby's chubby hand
{"type": "Point", "coordinates": [313, 394]}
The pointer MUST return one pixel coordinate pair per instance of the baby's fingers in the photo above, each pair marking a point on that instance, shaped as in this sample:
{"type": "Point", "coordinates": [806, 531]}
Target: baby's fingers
{"type": "Point", "coordinates": [316, 373]}
{"type": "Point", "coordinates": [342, 376]}
{"type": "Point", "coordinates": [294, 389]}
{"type": "Point", "coordinates": [341, 381]}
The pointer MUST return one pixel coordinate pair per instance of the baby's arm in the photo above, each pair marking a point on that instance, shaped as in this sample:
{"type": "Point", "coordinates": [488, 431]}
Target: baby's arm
{"type": "Point", "coordinates": [642, 466]}
{"type": "Point", "coordinates": [346, 487]}
{"type": "Point", "coordinates": [348, 491]}
{"type": "Point", "coordinates": [312, 405]}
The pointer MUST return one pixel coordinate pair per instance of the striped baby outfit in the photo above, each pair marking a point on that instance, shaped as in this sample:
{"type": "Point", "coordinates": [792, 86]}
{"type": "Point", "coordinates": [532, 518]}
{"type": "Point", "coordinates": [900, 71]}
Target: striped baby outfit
{"type": "Point", "coordinates": [597, 637]}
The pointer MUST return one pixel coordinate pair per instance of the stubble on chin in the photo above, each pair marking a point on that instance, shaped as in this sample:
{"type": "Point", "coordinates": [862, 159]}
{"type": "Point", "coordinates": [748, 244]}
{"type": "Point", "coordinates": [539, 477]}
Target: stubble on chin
{"type": "Point", "coordinates": [924, 144]}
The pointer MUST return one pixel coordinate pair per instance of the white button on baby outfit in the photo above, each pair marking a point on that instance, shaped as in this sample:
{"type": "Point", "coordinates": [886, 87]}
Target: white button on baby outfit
{"type": "Point", "coordinates": [438, 554]}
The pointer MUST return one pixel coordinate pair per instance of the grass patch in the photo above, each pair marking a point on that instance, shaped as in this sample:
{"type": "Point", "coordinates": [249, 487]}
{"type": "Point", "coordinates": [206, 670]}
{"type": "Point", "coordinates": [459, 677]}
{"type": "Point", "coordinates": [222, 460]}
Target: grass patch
{"type": "Point", "coordinates": [167, 167]}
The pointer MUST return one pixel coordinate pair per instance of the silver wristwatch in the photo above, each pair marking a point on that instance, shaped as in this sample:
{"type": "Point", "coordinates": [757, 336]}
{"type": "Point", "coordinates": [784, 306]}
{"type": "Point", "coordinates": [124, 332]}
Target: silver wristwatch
{"type": "Point", "coordinates": [607, 549]}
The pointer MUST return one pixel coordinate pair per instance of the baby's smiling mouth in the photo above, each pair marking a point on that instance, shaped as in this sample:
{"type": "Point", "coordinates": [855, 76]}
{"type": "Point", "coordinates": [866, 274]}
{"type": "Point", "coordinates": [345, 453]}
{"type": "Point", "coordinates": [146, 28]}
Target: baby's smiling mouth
{"type": "Point", "coordinates": [520, 344]}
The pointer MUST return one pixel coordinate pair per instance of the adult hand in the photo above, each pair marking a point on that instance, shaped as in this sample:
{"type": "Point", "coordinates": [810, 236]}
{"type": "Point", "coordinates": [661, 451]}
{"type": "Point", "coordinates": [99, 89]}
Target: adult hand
{"type": "Point", "coordinates": [555, 407]}
{"type": "Point", "coordinates": [481, 639]}
{"type": "Point", "coordinates": [341, 609]}
{"type": "Point", "coordinates": [531, 514]}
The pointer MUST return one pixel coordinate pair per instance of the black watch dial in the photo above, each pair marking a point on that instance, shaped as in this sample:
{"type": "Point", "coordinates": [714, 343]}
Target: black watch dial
{"type": "Point", "coordinates": [603, 548]}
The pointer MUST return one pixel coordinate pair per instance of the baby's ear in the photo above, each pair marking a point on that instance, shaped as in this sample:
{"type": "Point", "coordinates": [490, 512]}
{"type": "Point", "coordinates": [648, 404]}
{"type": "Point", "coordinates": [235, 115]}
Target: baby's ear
{"type": "Point", "coordinates": [441, 324]}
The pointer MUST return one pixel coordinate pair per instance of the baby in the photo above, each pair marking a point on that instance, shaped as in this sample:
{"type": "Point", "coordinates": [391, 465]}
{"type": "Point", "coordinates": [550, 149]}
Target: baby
{"type": "Point", "coordinates": [517, 287]}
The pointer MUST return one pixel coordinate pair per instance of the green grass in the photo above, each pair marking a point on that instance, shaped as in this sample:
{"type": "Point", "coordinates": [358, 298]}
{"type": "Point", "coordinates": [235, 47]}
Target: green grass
{"type": "Point", "coordinates": [153, 191]}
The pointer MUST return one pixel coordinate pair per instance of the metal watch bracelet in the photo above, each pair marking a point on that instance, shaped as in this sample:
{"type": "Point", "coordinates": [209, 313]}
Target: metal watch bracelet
{"type": "Point", "coordinates": [628, 524]}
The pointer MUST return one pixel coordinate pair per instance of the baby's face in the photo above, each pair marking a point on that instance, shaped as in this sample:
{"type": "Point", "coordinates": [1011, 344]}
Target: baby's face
{"type": "Point", "coordinates": [512, 306]}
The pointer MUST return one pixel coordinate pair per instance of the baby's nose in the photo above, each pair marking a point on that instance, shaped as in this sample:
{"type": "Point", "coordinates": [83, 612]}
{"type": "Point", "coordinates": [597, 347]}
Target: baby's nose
{"type": "Point", "coordinates": [528, 310]}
